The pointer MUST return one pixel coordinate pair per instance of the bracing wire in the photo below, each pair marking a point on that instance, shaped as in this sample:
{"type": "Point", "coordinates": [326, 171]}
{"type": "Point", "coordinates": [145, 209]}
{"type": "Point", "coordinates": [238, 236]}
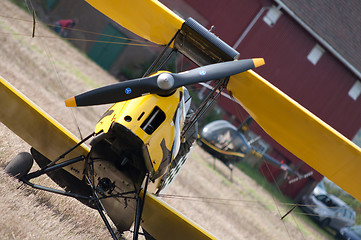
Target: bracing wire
{"type": "Point", "coordinates": [240, 203]}
{"type": "Point", "coordinates": [276, 203]}
{"type": "Point", "coordinates": [132, 41]}
{"type": "Point", "coordinates": [52, 62]}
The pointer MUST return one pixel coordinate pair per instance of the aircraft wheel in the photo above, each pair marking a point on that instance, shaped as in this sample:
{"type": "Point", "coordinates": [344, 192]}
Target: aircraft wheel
{"type": "Point", "coordinates": [20, 165]}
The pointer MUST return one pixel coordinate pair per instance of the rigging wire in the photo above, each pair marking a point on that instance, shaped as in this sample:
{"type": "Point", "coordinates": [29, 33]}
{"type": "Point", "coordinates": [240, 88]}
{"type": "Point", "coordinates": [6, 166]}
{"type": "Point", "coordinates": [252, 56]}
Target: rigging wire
{"type": "Point", "coordinates": [240, 203]}
{"type": "Point", "coordinates": [240, 114]}
{"type": "Point", "coordinates": [280, 192]}
{"type": "Point", "coordinates": [275, 201]}
{"type": "Point", "coordinates": [238, 111]}
{"type": "Point", "coordinates": [215, 199]}
{"type": "Point", "coordinates": [81, 40]}
{"type": "Point", "coordinates": [133, 42]}
{"type": "Point", "coordinates": [52, 62]}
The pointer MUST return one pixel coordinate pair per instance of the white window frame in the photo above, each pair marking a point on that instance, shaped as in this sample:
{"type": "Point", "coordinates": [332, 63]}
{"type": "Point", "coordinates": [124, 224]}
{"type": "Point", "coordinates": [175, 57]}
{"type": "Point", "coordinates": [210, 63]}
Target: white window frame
{"type": "Point", "coordinates": [315, 54]}
{"type": "Point", "coordinates": [272, 16]}
{"type": "Point", "coordinates": [355, 90]}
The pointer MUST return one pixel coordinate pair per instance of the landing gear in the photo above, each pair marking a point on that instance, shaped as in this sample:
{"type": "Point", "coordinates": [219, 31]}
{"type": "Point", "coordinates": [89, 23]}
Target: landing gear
{"type": "Point", "coordinates": [139, 209]}
{"type": "Point", "coordinates": [20, 165]}
{"type": "Point", "coordinates": [109, 184]}
{"type": "Point", "coordinates": [230, 167]}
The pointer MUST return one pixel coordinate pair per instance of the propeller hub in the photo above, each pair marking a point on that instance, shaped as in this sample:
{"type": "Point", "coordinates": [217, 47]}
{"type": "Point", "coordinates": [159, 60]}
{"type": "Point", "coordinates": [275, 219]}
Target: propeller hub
{"type": "Point", "coordinates": [165, 81]}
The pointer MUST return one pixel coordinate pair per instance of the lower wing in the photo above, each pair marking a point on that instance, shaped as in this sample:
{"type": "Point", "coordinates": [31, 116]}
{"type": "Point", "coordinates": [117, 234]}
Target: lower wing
{"type": "Point", "coordinates": [37, 128]}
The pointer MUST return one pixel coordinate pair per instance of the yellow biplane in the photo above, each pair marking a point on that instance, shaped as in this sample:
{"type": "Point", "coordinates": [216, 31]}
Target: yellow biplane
{"type": "Point", "coordinates": [144, 138]}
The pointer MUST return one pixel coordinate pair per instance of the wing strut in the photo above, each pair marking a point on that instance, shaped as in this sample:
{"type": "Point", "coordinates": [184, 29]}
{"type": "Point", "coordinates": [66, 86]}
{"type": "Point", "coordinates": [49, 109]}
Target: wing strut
{"type": "Point", "coordinates": [206, 103]}
{"type": "Point", "coordinates": [154, 67]}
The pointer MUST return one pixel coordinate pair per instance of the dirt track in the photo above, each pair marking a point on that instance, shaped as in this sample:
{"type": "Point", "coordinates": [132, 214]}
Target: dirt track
{"type": "Point", "coordinates": [48, 71]}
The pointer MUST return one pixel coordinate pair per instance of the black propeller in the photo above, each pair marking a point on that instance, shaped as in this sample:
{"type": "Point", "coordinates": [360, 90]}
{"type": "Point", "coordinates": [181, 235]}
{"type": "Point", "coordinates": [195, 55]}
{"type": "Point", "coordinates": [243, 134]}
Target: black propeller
{"type": "Point", "coordinates": [161, 83]}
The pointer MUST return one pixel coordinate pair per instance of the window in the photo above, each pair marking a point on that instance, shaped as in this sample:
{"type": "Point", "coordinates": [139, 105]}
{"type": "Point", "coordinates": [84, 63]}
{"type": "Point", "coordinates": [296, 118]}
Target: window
{"type": "Point", "coordinates": [315, 54]}
{"type": "Point", "coordinates": [343, 212]}
{"type": "Point", "coordinates": [272, 16]}
{"type": "Point", "coordinates": [355, 90]}
{"type": "Point", "coordinates": [153, 121]}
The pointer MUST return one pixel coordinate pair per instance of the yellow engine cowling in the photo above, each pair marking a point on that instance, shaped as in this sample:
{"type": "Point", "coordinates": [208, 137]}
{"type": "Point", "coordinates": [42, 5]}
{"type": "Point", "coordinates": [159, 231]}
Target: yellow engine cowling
{"type": "Point", "coordinates": [150, 118]}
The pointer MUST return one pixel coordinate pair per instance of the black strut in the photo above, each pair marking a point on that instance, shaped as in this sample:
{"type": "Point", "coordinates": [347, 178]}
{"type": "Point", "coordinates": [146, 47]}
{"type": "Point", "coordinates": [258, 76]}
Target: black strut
{"type": "Point", "coordinates": [207, 102]}
{"type": "Point", "coordinates": [48, 169]}
{"type": "Point", "coordinates": [158, 59]}
{"type": "Point", "coordinates": [98, 203]}
{"type": "Point", "coordinates": [139, 210]}
{"type": "Point", "coordinates": [71, 149]}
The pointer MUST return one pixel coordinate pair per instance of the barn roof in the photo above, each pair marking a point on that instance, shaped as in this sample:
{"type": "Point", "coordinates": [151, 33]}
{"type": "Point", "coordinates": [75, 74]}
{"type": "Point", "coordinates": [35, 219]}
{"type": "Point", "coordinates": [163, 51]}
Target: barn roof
{"type": "Point", "coordinates": [336, 22]}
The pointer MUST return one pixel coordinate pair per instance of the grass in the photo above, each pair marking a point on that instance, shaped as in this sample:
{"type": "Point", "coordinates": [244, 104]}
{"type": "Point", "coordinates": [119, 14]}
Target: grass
{"type": "Point", "coordinates": [27, 213]}
{"type": "Point", "coordinates": [20, 3]}
{"type": "Point", "coordinates": [92, 83]}
{"type": "Point", "coordinates": [275, 192]}
{"type": "Point", "coordinates": [280, 203]}
{"type": "Point", "coordinates": [259, 179]}
{"type": "Point", "coordinates": [256, 176]}
{"type": "Point", "coordinates": [260, 194]}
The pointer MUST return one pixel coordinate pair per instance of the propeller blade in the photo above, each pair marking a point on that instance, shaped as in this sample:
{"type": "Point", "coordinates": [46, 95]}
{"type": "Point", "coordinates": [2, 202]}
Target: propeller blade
{"type": "Point", "coordinates": [216, 71]}
{"type": "Point", "coordinates": [162, 83]}
{"type": "Point", "coordinates": [115, 93]}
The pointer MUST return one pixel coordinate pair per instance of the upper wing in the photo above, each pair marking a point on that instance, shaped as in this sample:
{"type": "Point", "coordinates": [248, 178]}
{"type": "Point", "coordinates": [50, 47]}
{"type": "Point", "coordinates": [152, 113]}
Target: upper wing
{"type": "Point", "coordinates": [153, 21]}
{"type": "Point", "coordinates": [150, 20]}
{"type": "Point", "coordinates": [36, 127]}
{"type": "Point", "coordinates": [300, 131]}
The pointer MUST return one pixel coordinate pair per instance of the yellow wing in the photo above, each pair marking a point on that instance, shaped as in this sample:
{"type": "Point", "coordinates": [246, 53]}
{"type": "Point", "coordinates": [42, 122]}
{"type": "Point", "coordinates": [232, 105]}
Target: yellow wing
{"type": "Point", "coordinates": [163, 222]}
{"type": "Point", "coordinates": [150, 20]}
{"type": "Point", "coordinates": [300, 131]}
{"type": "Point", "coordinates": [36, 127]}
{"type": "Point", "coordinates": [153, 21]}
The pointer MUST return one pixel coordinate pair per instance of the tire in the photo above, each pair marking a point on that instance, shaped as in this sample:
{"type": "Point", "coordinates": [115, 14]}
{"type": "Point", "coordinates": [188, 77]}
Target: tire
{"type": "Point", "coordinates": [64, 179]}
{"type": "Point", "coordinates": [325, 222]}
{"type": "Point", "coordinates": [20, 165]}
